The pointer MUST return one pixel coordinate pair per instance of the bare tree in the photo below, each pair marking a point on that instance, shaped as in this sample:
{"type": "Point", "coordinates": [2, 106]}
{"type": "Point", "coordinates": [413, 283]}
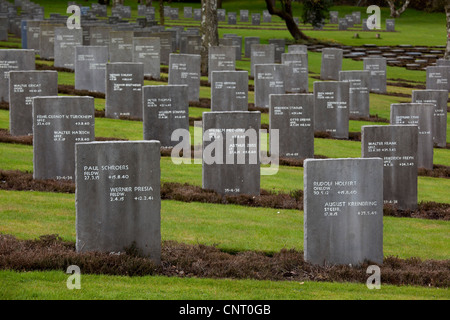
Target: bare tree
{"type": "Point", "coordinates": [285, 13]}
{"type": "Point", "coordinates": [447, 50]}
{"type": "Point", "coordinates": [395, 13]}
{"type": "Point", "coordinates": [209, 30]}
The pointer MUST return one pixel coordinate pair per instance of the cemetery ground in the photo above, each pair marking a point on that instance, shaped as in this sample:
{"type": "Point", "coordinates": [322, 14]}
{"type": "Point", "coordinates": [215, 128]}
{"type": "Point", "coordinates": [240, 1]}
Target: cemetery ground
{"type": "Point", "coordinates": [209, 240]}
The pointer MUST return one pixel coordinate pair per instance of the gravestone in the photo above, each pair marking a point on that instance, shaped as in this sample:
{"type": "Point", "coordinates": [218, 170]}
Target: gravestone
{"type": "Point", "coordinates": [65, 42]}
{"type": "Point", "coordinates": [421, 115]}
{"type": "Point", "coordinates": [231, 164]}
{"type": "Point", "coordinates": [236, 41]}
{"type": "Point", "coordinates": [280, 45]}
{"type": "Point", "coordinates": [121, 46]}
{"type": "Point", "coordinates": [221, 59]}
{"type": "Point", "coordinates": [229, 91]}
{"type": "Point", "coordinates": [3, 29]}
{"type": "Point", "coordinates": [185, 69]}
{"type": "Point", "coordinates": [165, 40]}
{"type": "Point", "coordinates": [23, 33]}
{"type": "Point", "coordinates": [90, 68]}
{"type": "Point", "coordinates": [47, 41]}
{"type": "Point", "coordinates": [174, 14]}
{"type": "Point", "coordinates": [118, 200]}
{"type": "Point", "coordinates": [33, 35]}
{"type": "Point", "coordinates": [331, 63]}
{"type": "Point", "coordinates": [221, 14]}
{"type": "Point", "coordinates": [166, 109]}
{"type": "Point", "coordinates": [356, 17]}
{"type": "Point", "coordinates": [390, 25]}
{"type": "Point", "coordinates": [359, 96]}
{"type": "Point", "coordinates": [243, 15]}
{"type": "Point", "coordinates": [296, 77]}
{"type": "Point", "coordinates": [23, 86]}
{"type": "Point", "coordinates": [443, 62]}
{"type": "Point", "coordinates": [232, 18]}
{"type": "Point", "coordinates": [269, 79]}
{"type": "Point", "coordinates": [343, 208]}
{"type": "Point", "coordinates": [13, 60]}
{"type": "Point", "coordinates": [147, 51]}
{"type": "Point", "coordinates": [187, 12]}
{"type": "Point", "coordinates": [124, 81]}
{"type": "Point", "coordinates": [193, 44]}
{"type": "Point", "coordinates": [197, 14]}
{"type": "Point", "coordinates": [438, 78]}
{"type": "Point", "coordinates": [397, 146]}
{"type": "Point", "coordinates": [256, 19]}
{"type": "Point", "coordinates": [261, 54]}
{"type": "Point", "coordinates": [439, 99]}
{"type": "Point", "coordinates": [350, 20]}
{"type": "Point", "coordinates": [377, 68]}
{"type": "Point", "coordinates": [59, 123]}
{"type": "Point", "coordinates": [293, 116]}
{"type": "Point", "coordinates": [334, 16]}
{"type": "Point", "coordinates": [267, 17]}
{"type": "Point", "coordinates": [364, 25]}
{"type": "Point", "coordinates": [331, 115]}
{"type": "Point", "coordinates": [343, 24]}
{"type": "Point", "coordinates": [99, 36]}
{"type": "Point", "coordinates": [297, 48]}
{"type": "Point", "coordinates": [248, 42]}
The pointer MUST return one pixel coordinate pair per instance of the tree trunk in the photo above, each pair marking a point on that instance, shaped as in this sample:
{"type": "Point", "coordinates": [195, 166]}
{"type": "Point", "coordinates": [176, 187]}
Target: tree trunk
{"type": "Point", "coordinates": [148, 3]}
{"type": "Point", "coordinates": [447, 50]}
{"type": "Point", "coordinates": [117, 2]}
{"type": "Point", "coordinates": [396, 13]}
{"type": "Point", "coordinates": [161, 12]}
{"type": "Point", "coordinates": [209, 31]}
{"type": "Point", "coordinates": [286, 15]}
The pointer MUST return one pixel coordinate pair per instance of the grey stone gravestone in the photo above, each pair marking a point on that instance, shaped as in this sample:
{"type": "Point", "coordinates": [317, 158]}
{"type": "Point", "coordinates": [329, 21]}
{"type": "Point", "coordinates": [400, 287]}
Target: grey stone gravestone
{"type": "Point", "coordinates": [397, 146]}
{"type": "Point", "coordinates": [350, 20]}
{"type": "Point", "coordinates": [33, 35]}
{"type": "Point", "coordinates": [90, 68]}
{"type": "Point", "coordinates": [64, 47]}
{"type": "Point", "coordinates": [280, 48]}
{"type": "Point", "coordinates": [443, 62]}
{"type": "Point", "coordinates": [378, 78]}
{"type": "Point", "coordinates": [221, 14]}
{"type": "Point", "coordinates": [13, 60]}
{"type": "Point", "coordinates": [193, 44]}
{"type": "Point", "coordinates": [343, 207]}
{"type": "Point", "coordinates": [47, 41]}
{"type": "Point", "coordinates": [269, 79]}
{"type": "Point", "coordinates": [243, 15]}
{"type": "Point", "coordinates": [293, 116]}
{"type": "Point", "coordinates": [334, 16]}
{"type": "Point", "coordinates": [124, 81]}
{"type": "Point", "coordinates": [422, 115]}
{"type": "Point", "coordinates": [343, 24]}
{"type": "Point", "coordinates": [438, 78]}
{"type": "Point", "coordinates": [356, 17]}
{"type": "Point", "coordinates": [23, 86]}
{"type": "Point", "coordinates": [261, 54]}
{"type": "Point", "coordinates": [439, 99]}
{"type": "Point", "coordinates": [23, 33]}
{"type": "Point", "coordinates": [147, 51]}
{"type": "Point", "coordinates": [390, 25]}
{"type": "Point", "coordinates": [221, 59]}
{"type": "Point", "coordinates": [331, 108]}
{"type": "Point", "coordinates": [229, 91]}
{"type": "Point", "coordinates": [359, 96]}
{"type": "Point", "coordinates": [296, 77]}
{"type": "Point", "coordinates": [187, 12]}
{"type": "Point", "coordinates": [99, 36]}
{"type": "Point", "coordinates": [197, 14]}
{"type": "Point", "coordinates": [174, 13]}
{"type": "Point", "coordinates": [59, 123]}
{"type": "Point", "coordinates": [165, 39]}
{"type": "Point", "coordinates": [166, 108]}
{"type": "Point", "coordinates": [118, 202]}
{"type": "Point", "coordinates": [256, 19]}
{"type": "Point", "coordinates": [3, 29]}
{"type": "Point", "coordinates": [237, 43]}
{"type": "Point", "coordinates": [364, 25]}
{"type": "Point", "coordinates": [185, 69]}
{"type": "Point", "coordinates": [331, 63]}
{"type": "Point", "coordinates": [231, 164]}
{"type": "Point", "coordinates": [232, 18]}
{"type": "Point", "coordinates": [267, 17]}
{"type": "Point", "coordinates": [297, 48]}
{"type": "Point", "coordinates": [121, 46]}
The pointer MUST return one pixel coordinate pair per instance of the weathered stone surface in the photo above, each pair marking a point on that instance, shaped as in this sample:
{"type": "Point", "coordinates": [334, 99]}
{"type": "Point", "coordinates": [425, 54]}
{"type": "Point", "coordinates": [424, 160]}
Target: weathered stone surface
{"type": "Point", "coordinates": [13, 60]}
{"type": "Point", "coordinates": [438, 78]}
{"type": "Point", "coordinates": [121, 46]}
{"type": "Point", "coordinates": [237, 44]}
{"type": "Point", "coordinates": [297, 48]}
{"type": "Point", "coordinates": [261, 54]}
{"type": "Point", "coordinates": [343, 206]}
{"type": "Point", "coordinates": [397, 146]}
{"type": "Point", "coordinates": [90, 68]}
{"type": "Point", "coordinates": [166, 108]}
{"type": "Point", "coordinates": [59, 123]}
{"type": "Point", "coordinates": [390, 25]}
{"type": "Point", "coordinates": [256, 19]}
{"type": "Point", "coordinates": [293, 116]}
{"type": "Point", "coordinates": [229, 91]}
{"type": "Point", "coordinates": [296, 76]}
{"type": "Point", "coordinates": [23, 86]}
{"type": "Point", "coordinates": [187, 12]}
{"type": "Point", "coordinates": [243, 15]}
{"type": "Point", "coordinates": [232, 18]}
{"type": "Point", "coordinates": [248, 42]}
{"type": "Point", "coordinates": [422, 115]}
{"type": "Point", "coordinates": [65, 42]}
{"type": "Point", "coordinates": [33, 35]}
{"type": "Point", "coordinates": [231, 163]}
{"type": "Point", "coordinates": [118, 202]}
{"type": "Point", "coordinates": [221, 59]}
{"type": "Point", "coordinates": [185, 69]}
{"type": "Point", "coordinates": [47, 40]}
{"type": "Point", "coordinates": [359, 91]}
{"type": "Point", "coordinates": [331, 114]}
{"type": "Point", "coordinates": [377, 68]}
{"type": "Point", "coordinates": [269, 79]}
{"type": "Point", "coordinates": [147, 51]}
{"type": "Point", "coordinates": [331, 63]}
{"type": "Point", "coordinates": [280, 48]}
{"type": "Point", "coordinates": [267, 17]}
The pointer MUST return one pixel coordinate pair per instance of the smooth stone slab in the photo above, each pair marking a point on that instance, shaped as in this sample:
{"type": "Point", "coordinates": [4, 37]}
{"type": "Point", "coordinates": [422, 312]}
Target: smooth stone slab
{"type": "Point", "coordinates": [13, 60]}
{"type": "Point", "coordinates": [248, 42]}
{"type": "Point", "coordinates": [33, 35]}
{"type": "Point", "coordinates": [47, 41]}
{"type": "Point", "coordinates": [439, 99]}
{"type": "Point", "coordinates": [64, 46]}
{"type": "Point", "coordinates": [236, 167]}
{"type": "Point", "coordinates": [221, 14]}
{"type": "Point", "coordinates": [166, 45]}
{"type": "Point", "coordinates": [293, 116]}
{"type": "Point", "coordinates": [378, 79]}
{"type": "Point", "coordinates": [187, 12]}
{"type": "Point", "coordinates": [397, 146]}
{"type": "Point", "coordinates": [90, 68]}
{"type": "Point", "coordinates": [331, 100]}
{"type": "Point", "coordinates": [229, 91]}
{"type": "Point", "coordinates": [121, 46]}
{"type": "Point", "coordinates": [267, 17]}
{"type": "Point", "coordinates": [23, 86]}
{"type": "Point", "coordinates": [261, 54]}
{"type": "Point", "coordinates": [124, 81]}
{"type": "Point", "coordinates": [438, 78]}
{"type": "Point", "coordinates": [331, 63]}
{"type": "Point", "coordinates": [237, 43]}
{"type": "Point", "coordinates": [243, 15]}
{"type": "Point", "coordinates": [280, 48]}
{"type": "Point", "coordinates": [221, 59]}
{"type": "Point", "coordinates": [269, 79]}
{"type": "Point", "coordinates": [118, 200]}
{"type": "Point", "coordinates": [147, 51]}
{"type": "Point", "coordinates": [166, 109]}
{"type": "Point", "coordinates": [422, 115]}
{"type": "Point", "coordinates": [99, 36]}
{"type": "Point", "coordinates": [59, 123]}
{"type": "Point", "coordinates": [390, 25]}
{"type": "Point", "coordinates": [3, 29]}
{"type": "Point", "coordinates": [296, 76]}
{"type": "Point", "coordinates": [185, 69]}
{"type": "Point", "coordinates": [256, 19]}
{"type": "Point", "coordinates": [343, 24]}
{"type": "Point", "coordinates": [359, 96]}
{"type": "Point", "coordinates": [232, 18]}
{"type": "Point", "coordinates": [197, 14]}
{"type": "Point", "coordinates": [442, 62]}
{"type": "Point", "coordinates": [343, 208]}
{"type": "Point", "coordinates": [193, 44]}
{"type": "Point", "coordinates": [297, 48]}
